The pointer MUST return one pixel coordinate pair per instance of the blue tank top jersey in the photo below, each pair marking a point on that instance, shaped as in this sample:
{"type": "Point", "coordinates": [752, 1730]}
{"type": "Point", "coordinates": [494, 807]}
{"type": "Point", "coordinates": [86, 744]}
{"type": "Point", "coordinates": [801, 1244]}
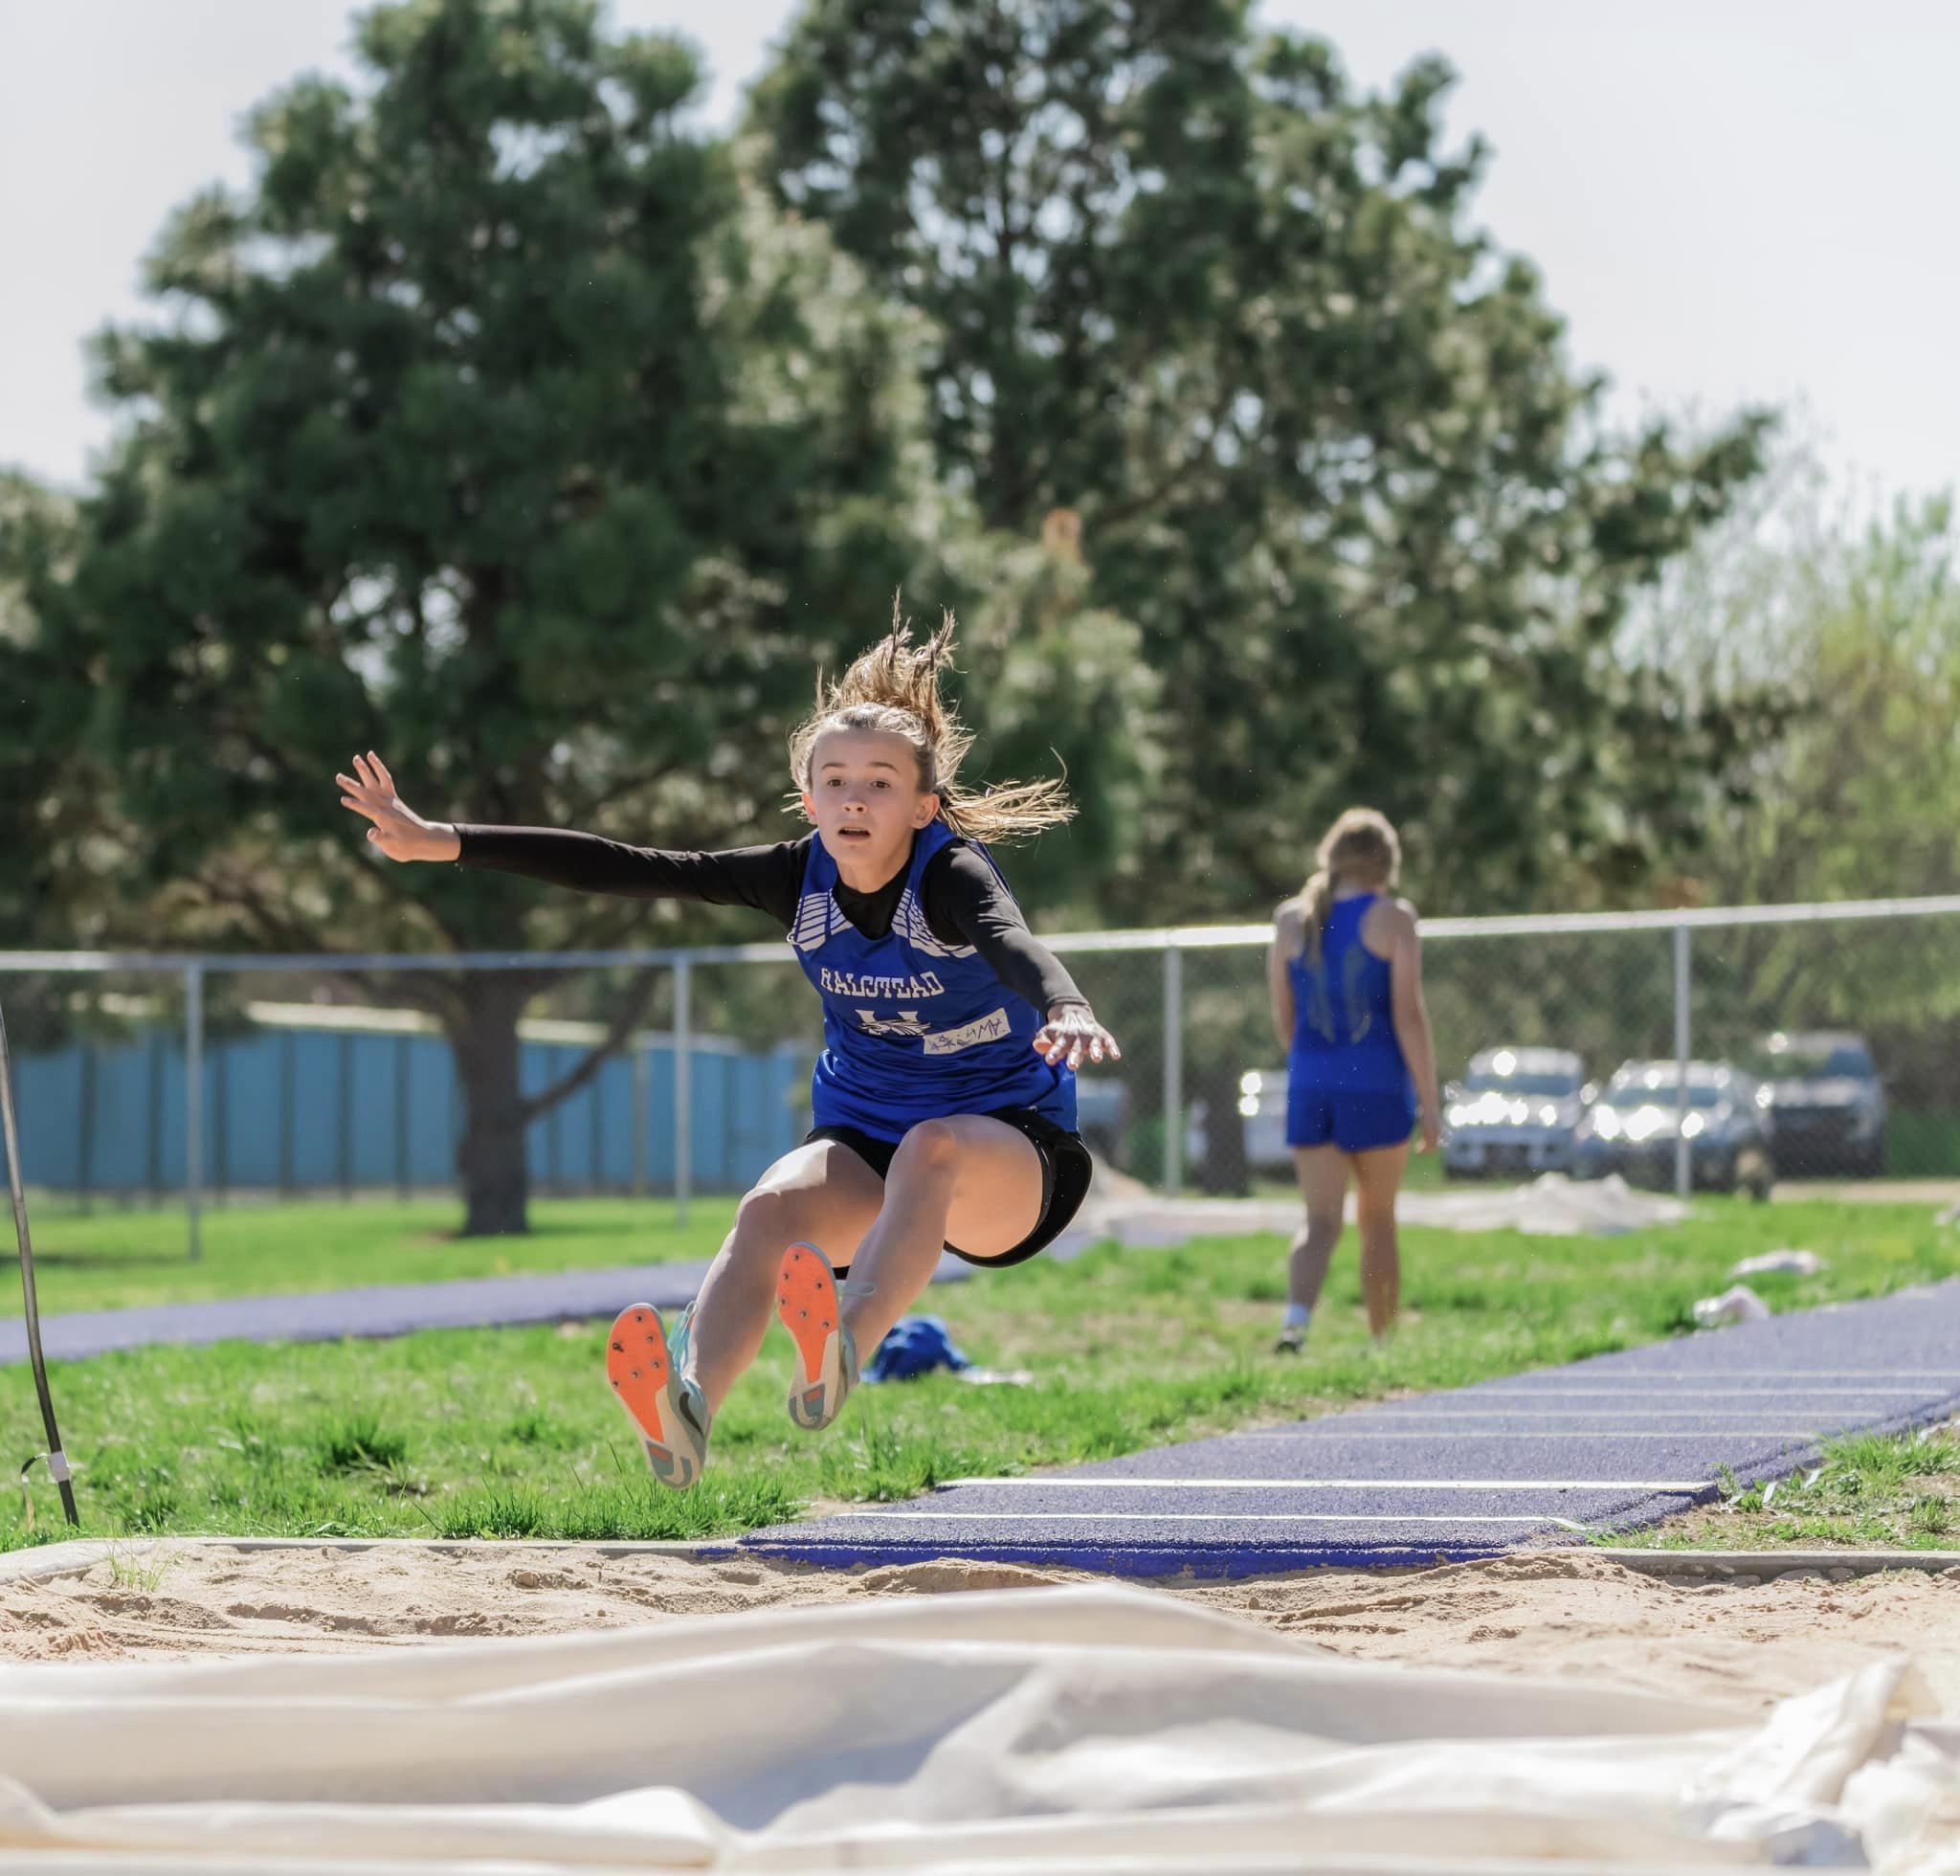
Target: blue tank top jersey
{"type": "Point", "coordinates": [915, 1030]}
{"type": "Point", "coordinates": [1343, 1029]}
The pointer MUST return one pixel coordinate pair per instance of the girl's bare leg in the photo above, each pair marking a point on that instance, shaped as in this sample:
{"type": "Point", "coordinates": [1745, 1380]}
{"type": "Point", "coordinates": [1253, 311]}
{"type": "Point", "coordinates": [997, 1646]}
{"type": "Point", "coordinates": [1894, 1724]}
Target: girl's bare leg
{"type": "Point", "coordinates": [974, 1180]}
{"type": "Point", "coordinates": [1324, 1188]}
{"type": "Point", "coordinates": [1378, 1178]}
{"type": "Point", "coordinates": [821, 1194]}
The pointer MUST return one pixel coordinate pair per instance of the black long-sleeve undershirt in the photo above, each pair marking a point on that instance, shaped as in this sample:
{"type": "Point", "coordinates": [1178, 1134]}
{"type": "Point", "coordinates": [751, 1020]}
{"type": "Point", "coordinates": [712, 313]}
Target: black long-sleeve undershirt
{"type": "Point", "coordinates": [961, 895]}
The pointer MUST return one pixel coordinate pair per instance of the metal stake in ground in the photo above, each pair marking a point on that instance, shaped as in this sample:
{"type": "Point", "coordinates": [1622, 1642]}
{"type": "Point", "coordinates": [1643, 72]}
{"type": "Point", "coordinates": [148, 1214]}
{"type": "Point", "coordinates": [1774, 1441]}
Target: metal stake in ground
{"type": "Point", "coordinates": [57, 1460]}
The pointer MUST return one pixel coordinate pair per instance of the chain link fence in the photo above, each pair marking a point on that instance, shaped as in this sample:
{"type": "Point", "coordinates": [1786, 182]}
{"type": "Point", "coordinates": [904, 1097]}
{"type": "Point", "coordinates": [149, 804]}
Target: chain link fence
{"type": "Point", "coordinates": [1818, 1042]}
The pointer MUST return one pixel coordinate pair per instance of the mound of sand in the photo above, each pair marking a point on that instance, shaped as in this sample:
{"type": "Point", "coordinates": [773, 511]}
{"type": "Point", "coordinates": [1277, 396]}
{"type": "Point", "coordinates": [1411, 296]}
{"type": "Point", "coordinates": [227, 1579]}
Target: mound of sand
{"type": "Point", "coordinates": [1546, 1613]}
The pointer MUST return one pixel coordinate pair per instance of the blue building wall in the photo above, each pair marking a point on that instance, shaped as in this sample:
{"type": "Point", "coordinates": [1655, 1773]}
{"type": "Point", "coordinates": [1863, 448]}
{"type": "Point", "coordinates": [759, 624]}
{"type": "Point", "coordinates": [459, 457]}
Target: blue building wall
{"type": "Point", "coordinates": [311, 1110]}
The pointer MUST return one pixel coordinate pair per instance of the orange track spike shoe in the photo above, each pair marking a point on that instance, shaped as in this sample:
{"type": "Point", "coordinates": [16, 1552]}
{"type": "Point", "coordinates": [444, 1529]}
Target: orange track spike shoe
{"type": "Point", "coordinates": [806, 1299]}
{"type": "Point", "coordinates": [669, 1414]}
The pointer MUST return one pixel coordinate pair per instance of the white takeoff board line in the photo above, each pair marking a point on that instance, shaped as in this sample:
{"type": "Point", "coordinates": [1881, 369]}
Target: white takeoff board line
{"type": "Point", "coordinates": [1067, 1482]}
{"type": "Point", "coordinates": [1193, 1517]}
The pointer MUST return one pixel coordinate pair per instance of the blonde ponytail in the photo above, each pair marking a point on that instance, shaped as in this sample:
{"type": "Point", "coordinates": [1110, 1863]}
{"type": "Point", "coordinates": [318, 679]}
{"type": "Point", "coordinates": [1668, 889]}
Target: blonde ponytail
{"type": "Point", "coordinates": [1360, 849]}
{"type": "Point", "coordinates": [1316, 900]}
{"type": "Point", "coordinates": [894, 687]}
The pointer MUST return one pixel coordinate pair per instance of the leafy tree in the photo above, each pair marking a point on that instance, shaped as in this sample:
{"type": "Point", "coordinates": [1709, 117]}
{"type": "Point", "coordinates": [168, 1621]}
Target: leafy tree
{"type": "Point", "coordinates": [1327, 449]}
{"type": "Point", "coordinates": [58, 860]}
{"type": "Point", "coordinates": [36, 528]}
{"type": "Point", "coordinates": [1859, 798]}
{"type": "Point", "coordinates": [500, 427]}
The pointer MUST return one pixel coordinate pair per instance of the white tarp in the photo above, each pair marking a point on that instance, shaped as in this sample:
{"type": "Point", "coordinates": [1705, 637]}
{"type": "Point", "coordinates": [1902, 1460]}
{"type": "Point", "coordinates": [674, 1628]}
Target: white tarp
{"type": "Point", "coordinates": [1077, 1730]}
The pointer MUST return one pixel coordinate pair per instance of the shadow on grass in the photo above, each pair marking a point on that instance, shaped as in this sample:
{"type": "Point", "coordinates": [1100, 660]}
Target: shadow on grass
{"type": "Point", "coordinates": [107, 1259]}
{"type": "Point", "coordinates": [569, 1228]}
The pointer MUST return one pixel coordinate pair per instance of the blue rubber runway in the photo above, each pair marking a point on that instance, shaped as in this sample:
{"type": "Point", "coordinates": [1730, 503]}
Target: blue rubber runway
{"type": "Point", "coordinates": [1556, 1456]}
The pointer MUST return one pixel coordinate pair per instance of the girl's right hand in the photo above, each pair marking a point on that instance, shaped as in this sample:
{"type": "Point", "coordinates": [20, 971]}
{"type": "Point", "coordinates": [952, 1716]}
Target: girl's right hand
{"type": "Point", "coordinates": [1430, 1127]}
{"type": "Point", "coordinates": [398, 831]}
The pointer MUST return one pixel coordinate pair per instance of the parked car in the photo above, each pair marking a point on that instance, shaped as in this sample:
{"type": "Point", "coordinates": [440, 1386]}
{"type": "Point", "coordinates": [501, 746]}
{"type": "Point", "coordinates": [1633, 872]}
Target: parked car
{"type": "Point", "coordinates": [1515, 1110]}
{"type": "Point", "coordinates": [1633, 1127]}
{"type": "Point", "coordinates": [1827, 1102]}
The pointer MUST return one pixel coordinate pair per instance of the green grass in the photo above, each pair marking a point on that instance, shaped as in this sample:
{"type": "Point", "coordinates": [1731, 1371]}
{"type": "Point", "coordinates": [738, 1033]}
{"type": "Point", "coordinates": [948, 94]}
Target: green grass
{"type": "Point", "coordinates": [512, 1433]}
{"type": "Point", "coordinates": [112, 1259]}
{"type": "Point", "coordinates": [1900, 1492]}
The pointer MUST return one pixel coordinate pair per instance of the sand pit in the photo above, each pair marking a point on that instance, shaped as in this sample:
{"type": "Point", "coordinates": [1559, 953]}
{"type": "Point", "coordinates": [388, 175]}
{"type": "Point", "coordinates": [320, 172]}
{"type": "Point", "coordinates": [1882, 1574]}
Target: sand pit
{"type": "Point", "coordinates": [1571, 1614]}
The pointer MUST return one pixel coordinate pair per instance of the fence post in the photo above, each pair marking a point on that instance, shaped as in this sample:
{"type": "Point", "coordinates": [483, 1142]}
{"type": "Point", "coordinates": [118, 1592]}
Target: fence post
{"type": "Point", "coordinates": [1173, 1066]}
{"type": "Point", "coordinates": [193, 1105]}
{"type": "Point", "coordinates": [683, 1087]}
{"type": "Point", "coordinates": [1684, 1167]}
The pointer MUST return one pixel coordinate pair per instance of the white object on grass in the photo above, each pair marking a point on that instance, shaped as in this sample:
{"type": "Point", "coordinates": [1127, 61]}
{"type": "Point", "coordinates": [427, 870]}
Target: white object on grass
{"type": "Point", "coordinates": [1801, 1263]}
{"type": "Point", "coordinates": [1739, 1305]}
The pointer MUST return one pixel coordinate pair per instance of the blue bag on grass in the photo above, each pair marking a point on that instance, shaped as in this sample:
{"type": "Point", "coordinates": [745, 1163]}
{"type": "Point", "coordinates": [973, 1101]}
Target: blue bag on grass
{"type": "Point", "coordinates": [915, 1346]}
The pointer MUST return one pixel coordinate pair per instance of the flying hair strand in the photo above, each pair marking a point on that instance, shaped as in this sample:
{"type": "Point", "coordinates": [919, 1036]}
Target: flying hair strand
{"type": "Point", "coordinates": [894, 687]}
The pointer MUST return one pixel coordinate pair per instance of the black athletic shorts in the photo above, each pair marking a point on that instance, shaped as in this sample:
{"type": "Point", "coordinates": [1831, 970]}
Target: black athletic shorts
{"type": "Point", "coordinates": [1065, 1170]}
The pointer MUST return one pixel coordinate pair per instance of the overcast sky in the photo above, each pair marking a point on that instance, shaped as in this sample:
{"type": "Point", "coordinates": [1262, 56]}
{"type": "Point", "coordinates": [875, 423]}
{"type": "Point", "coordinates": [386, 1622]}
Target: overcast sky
{"type": "Point", "coordinates": [1730, 200]}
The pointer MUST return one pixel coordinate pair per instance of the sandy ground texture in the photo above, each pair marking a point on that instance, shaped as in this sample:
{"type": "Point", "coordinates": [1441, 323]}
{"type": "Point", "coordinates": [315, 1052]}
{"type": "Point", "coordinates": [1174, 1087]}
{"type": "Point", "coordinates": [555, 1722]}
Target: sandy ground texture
{"type": "Point", "coordinates": [1548, 1613]}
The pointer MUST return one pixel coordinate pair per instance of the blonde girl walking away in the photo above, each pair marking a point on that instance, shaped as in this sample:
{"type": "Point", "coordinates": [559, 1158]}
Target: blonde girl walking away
{"type": "Point", "coordinates": [944, 1097]}
{"type": "Point", "coordinates": [1345, 976]}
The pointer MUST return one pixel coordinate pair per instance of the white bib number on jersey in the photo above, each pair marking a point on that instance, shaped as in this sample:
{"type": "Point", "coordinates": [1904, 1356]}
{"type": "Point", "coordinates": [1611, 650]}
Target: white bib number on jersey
{"type": "Point", "coordinates": [991, 1028]}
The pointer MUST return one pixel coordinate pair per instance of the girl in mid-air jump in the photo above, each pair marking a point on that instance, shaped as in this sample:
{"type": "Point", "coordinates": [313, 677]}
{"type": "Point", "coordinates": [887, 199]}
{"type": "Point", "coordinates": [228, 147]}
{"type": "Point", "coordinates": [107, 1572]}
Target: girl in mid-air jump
{"type": "Point", "coordinates": [1345, 975]}
{"type": "Point", "coordinates": [944, 1102]}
